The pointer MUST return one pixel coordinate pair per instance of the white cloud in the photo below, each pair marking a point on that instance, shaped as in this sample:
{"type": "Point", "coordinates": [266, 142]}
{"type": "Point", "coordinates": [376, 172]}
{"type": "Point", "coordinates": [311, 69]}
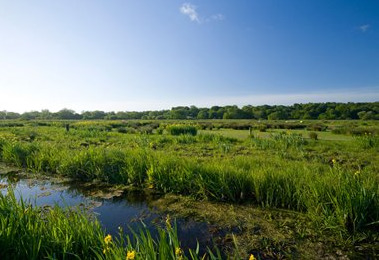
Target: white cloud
{"type": "Point", "coordinates": [364, 27]}
{"type": "Point", "coordinates": [190, 10]}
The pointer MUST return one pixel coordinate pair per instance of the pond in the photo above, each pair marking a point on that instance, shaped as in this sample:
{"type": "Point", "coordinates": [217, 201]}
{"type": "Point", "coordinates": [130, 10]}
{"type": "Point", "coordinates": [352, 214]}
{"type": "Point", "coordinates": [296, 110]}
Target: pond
{"type": "Point", "coordinates": [114, 207]}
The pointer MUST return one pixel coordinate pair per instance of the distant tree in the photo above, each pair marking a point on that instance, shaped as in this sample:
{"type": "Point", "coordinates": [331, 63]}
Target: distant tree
{"type": "Point", "coordinates": [3, 114]}
{"type": "Point", "coordinates": [30, 115]}
{"type": "Point", "coordinates": [203, 114]}
{"type": "Point", "coordinates": [366, 115]}
{"type": "Point", "coordinates": [12, 115]}
{"type": "Point", "coordinates": [193, 111]}
{"type": "Point", "coordinates": [67, 114]}
{"type": "Point", "coordinates": [45, 114]}
{"type": "Point", "coordinates": [329, 110]}
{"type": "Point", "coordinates": [277, 115]}
{"type": "Point", "coordinates": [179, 113]}
{"type": "Point", "coordinates": [93, 114]}
{"type": "Point", "coordinates": [110, 116]}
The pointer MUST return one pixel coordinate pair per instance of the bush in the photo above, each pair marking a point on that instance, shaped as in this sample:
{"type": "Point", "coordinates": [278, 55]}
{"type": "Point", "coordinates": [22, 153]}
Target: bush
{"type": "Point", "coordinates": [126, 130]}
{"type": "Point", "coordinates": [262, 128]}
{"type": "Point", "coordinates": [313, 135]}
{"type": "Point", "coordinates": [181, 130]}
{"type": "Point", "coordinates": [317, 127]}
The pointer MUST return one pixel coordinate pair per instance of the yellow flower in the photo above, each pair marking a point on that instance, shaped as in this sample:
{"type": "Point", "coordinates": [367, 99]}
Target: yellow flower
{"type": "Point", "coordinates": [252, 257]}
{"type": "Point", "coordinates": [108, 239]}
{"type": "Point", "coordinates": [107, 249]}
{"type": "Point", "coordinates": [131, 255]}
{"type": "Point", "coordinates": [334, 161]}
{"type": "Point", "coordinates": [356, 173]}
{"type": "Point", "coordinates": [178, 251]}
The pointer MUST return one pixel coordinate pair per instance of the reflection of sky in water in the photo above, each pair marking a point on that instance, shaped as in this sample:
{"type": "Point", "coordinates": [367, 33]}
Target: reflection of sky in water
{"type": "Point", "coordinates": [43, 193]}
{"type": "Point", "coordinates": [127, 211]}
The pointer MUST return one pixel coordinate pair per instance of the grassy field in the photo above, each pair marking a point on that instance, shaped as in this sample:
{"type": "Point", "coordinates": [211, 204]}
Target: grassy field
{"type": "Point", "coordinates": [325, 171]}
{"type": "Point", "coordinates": [244, 134]}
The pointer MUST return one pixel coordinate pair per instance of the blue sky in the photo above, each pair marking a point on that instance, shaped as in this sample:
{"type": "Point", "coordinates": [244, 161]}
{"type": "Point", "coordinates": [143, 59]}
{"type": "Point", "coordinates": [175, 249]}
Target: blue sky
{"type": "Point", "coordinates": [141, 55]}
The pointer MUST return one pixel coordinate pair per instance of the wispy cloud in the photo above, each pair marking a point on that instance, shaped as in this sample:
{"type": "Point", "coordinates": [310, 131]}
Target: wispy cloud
{"type": "Point", "coordinates": [217, 17]}
{"type": "Point", "coordinates": [364, 27]}
{"type": "Point", "coordinates": [190, 10]}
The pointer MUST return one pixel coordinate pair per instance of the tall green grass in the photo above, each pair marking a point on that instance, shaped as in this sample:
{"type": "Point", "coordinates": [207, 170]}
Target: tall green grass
{"type": "Point", "coordinates": [181, 130]}
{"type": "Point", "coordinates": [337, 197]}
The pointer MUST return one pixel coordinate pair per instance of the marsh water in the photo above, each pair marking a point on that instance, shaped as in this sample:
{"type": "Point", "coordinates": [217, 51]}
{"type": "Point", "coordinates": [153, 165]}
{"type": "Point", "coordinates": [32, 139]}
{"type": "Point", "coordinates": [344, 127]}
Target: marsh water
{"type": "Point", "coordinates": [113, 207]}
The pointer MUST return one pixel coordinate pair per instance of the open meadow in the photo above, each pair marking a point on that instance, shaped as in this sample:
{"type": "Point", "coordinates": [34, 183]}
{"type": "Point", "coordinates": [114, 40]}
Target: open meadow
{"type": "Point", "coordinates": [276, 189]}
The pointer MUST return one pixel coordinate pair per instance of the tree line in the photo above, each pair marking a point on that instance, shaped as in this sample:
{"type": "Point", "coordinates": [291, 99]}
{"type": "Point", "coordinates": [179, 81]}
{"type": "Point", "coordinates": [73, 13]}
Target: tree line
{"type": "Point", "coordinates": [328, 111]}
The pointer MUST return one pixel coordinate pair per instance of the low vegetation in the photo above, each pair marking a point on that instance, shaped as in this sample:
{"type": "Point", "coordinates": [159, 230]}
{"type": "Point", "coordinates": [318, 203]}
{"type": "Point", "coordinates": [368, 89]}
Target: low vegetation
{"type": "Point", "coordinates": [331, 178]}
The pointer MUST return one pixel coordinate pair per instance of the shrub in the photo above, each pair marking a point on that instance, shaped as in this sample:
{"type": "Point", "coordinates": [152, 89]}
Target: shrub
{"type": "Point", "coordinates": [313, 135]}
{"type": "Point", "coordinates": [181, 130]}
{"type": "Point", "coordinates": [316, 127]}
{"type": "Point", "coordinates": [261, 127]}
{"type": "Point", "coordinates": [146, 129]}
{"type": "Point", "coordinates": [126, 130]}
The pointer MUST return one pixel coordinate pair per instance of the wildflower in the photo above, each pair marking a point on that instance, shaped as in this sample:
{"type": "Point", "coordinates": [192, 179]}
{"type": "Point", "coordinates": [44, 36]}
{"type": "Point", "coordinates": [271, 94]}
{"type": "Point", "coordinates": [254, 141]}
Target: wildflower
{"type": "Point", "coordinates": [252, 257]}
{"type": "Point", "coordinates": [131, 255]}
{"type": "Point", "coordinates": [178, 251]}
{"type": "Point", "coordinates": [105, 250]}
{"type": "Point", "coordinates": [356, 173]}
{"type": "Point", "coordinates": [334, 161]}
{"type": "Point", "coordinates": [108, 239]}
{"type": "Point", "coordinates": [168, 222]}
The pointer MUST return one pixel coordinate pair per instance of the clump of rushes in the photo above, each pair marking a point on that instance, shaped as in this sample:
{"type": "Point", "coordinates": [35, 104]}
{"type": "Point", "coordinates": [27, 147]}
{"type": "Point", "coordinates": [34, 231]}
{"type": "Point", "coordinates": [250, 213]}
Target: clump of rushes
{"type": "Point", "coordinates": [181, 130]}
{"type": "Point", "coordinates": [32, 232]}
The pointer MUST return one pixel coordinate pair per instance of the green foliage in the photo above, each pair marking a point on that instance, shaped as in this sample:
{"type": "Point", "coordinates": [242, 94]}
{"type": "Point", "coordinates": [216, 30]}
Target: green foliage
{"type": "Point", "coordinates": [181, 130]}
{"type": "Point", "coordinates": [313, 135]}
{"type": "Point", "coordinates": [316, 127]}
{"type": "Point", "coordinates": [329, 111]}
{"type": "Point", "coordinates": [274, 169]}
{"type": "Point", "coordinates": [29, 232]}
{"type": "Point", "coordinates": [280, 141]}
{"type": "Point", "coordinates": [368, 141]}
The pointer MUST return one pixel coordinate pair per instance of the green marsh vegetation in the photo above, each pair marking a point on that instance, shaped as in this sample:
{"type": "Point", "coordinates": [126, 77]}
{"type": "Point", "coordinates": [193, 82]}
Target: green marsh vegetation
{"type": "Point", "coordinates": [332, 181]}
